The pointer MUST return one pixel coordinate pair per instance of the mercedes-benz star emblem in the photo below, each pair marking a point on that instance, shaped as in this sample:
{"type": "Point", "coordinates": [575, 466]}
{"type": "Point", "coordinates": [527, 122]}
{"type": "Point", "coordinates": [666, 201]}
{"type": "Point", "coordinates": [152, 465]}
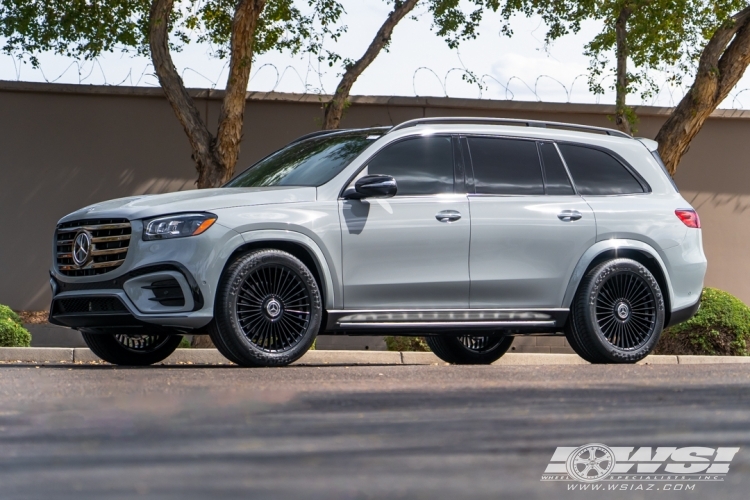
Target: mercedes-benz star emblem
{"type": "Point", "coordinates": [81, 248]}
{"type": "Point", "coordinates": [623, 311]}
{"type": "Point", "coordinates": [273, 308]}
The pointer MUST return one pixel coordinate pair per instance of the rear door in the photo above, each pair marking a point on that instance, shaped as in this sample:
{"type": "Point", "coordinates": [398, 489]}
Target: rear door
{"type": "Point", "coordinates": [410, 251]}
{"type": "Point", "coordinates": [528, 226]}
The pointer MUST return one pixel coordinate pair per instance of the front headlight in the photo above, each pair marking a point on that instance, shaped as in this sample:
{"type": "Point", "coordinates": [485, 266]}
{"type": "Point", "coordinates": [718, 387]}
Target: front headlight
{"type": "Point", "coordinates": [177, 226]}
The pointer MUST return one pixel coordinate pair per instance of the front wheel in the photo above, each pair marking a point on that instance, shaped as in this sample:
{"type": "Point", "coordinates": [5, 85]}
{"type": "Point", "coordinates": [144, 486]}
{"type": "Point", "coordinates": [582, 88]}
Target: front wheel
{"type": "Point", "coordinates": [131, 350]}
{"type": "Point", "coordinates": [268, 309]}
{"type": "Point", "coordinates": [617, 314]}
{"type": "Point", "coordinates": [469, 349]}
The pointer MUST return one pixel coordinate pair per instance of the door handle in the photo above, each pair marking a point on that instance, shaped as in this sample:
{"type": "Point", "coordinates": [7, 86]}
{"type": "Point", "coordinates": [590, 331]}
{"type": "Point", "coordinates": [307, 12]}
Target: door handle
{"type": "Point", "coordinates": [569, 215]}
{"type": "Point", "coordinates": [448, 216]}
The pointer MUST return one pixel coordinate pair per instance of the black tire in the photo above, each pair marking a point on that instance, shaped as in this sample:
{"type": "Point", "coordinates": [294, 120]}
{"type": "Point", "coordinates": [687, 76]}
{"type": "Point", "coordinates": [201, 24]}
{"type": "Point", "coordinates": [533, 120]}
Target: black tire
{"type": "Point", "coordinates": [469, 349]}
{"type": "Point", "coordinates": [254, 323]}
{"type": "Point", "coordinates": [617, 314]}
{"type": "Point", "coordinates": [131, 350]}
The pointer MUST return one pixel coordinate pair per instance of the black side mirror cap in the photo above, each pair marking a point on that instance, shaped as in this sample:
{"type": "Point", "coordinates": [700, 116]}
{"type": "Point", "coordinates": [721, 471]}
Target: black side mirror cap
{"type": "Point", "coordinates": [372, 186]}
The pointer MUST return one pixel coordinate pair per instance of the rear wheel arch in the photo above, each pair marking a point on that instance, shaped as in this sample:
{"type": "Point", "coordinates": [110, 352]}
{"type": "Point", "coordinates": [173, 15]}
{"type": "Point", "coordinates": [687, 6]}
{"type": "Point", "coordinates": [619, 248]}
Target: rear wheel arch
{"type": "Point", "coordinates": [644, 258]}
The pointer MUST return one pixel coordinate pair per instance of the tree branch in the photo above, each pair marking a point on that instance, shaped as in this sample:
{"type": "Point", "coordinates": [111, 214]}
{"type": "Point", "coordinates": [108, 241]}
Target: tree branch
{"type": "Point", "coordinates": [200, 138]}
{"type": "Point", "coordinates": [721, 66]}
{"type": "Point", "coordinates": [335, 108]}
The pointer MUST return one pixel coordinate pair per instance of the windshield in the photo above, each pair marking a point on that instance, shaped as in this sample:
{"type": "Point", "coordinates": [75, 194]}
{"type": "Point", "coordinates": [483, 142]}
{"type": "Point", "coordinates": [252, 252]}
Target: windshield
{"type": "Point", "coordinates": [310, 162]}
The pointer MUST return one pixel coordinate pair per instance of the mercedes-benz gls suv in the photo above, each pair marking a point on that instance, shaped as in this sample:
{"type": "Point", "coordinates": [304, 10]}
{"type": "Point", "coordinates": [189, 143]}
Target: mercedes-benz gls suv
{"type": "Point", "coordinates": [466, 231]}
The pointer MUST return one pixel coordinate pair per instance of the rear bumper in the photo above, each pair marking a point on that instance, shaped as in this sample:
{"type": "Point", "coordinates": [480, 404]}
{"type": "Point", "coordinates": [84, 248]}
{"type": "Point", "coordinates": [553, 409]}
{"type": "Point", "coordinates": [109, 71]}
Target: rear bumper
{"type": "Point", "coordinates": [684, 314]}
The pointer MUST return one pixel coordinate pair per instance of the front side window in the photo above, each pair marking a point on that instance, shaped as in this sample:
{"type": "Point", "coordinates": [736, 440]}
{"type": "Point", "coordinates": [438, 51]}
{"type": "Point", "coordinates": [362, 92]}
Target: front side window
{"type": "Point", "coordinates": [506, 166]}
{"type": "Point", "coordinates": [310, 162]}
{"type": "Point", "coordinates": [595, 172]}
{"type": "Point", "coordinates": [420, 165]}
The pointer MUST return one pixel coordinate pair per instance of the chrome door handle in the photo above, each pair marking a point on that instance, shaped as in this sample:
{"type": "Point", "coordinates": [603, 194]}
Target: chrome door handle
{"type": "Point", "coordinates": [448, 216]}
{"type": "Point", "coordinates": [569, 215]}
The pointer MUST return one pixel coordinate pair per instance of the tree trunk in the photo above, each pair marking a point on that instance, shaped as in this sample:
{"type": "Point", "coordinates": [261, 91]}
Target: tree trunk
{"type": "Point", "coordinates": [622, 114]}
{"type": "Point", "coordinates": [721, 65]}
{"type": "Point", "coordinates": [231, 118]}
{"type": "Point", "coordinates": [201, 140]}
{"type": "Point", "coordinates": [334, 109]}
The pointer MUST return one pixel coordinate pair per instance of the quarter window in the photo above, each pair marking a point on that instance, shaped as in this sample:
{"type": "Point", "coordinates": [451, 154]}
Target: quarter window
{"type": "Point", "coordinates": [598, 173]}
{"type": "Point", "coordinates": [505, 166]}
{"type": "Point", "coordinates": [421, 166]}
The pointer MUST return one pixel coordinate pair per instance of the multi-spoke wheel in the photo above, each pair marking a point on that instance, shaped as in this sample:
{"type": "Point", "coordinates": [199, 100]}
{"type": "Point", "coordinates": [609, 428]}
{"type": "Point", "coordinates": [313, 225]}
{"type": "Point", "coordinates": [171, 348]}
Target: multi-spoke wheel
{"type": "Point", "coordinates": [268, 309]}
{"type": "Point", "coordinates": [469, 349]}
{"type": "Point", "coordinates": [618, 313]}
{"type": "Point", "coordinates": [591, 462]}
{"type": "Point", "coordinates": [131, 349]}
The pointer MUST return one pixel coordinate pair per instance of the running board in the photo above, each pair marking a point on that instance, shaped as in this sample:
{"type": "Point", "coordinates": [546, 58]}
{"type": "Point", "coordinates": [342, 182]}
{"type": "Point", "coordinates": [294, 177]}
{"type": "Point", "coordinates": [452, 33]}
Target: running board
{"type": "Point", "coordinates": [510, 320]}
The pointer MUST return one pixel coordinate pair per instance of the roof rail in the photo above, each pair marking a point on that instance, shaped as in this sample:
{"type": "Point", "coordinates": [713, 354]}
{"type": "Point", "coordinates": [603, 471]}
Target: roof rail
{"type": "Point", "coordinates": [509, 121]}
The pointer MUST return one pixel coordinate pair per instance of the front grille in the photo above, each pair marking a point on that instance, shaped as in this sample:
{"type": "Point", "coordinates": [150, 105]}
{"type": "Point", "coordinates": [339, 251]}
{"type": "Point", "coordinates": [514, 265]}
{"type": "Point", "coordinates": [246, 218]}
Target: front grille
{"type": "Point", "coordinates": [88, 305]}
{"type": "Point", "coordinates": [110, 239]}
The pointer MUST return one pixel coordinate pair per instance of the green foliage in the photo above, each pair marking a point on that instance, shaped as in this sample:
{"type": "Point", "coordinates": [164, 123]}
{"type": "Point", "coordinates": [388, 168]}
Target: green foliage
{"type": "Point", "coordinates": [184, 343]}
{"type": "Point", "coordinates": [8, 313]}
{"type": "Point", "coordinates": [721, 327]}
{"type": "Point", "coordinates": [84, 29]}
{"type": "Point", "coordinates": [12, 333]}
{"type": "Point", "coordinates": [402, 344]}
{"type": "Point", "coordinates": [665, 35]}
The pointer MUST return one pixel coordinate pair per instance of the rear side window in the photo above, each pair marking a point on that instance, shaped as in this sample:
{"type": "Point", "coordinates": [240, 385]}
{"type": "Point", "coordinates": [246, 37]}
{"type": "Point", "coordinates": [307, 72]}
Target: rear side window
{"type": "Point", "coordinates": [598, 173]}
{"type": "Point", "coordinates": [421, 166]}
{"type": "Point", "coordinates": [555, 177]}
{"type": "Point", "coordinates": [505, 166]}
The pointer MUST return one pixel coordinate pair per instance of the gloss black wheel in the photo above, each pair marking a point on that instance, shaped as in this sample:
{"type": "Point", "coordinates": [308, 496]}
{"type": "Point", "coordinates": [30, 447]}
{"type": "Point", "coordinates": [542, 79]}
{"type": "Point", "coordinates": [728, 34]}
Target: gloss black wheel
{"type": "Point", "coordinates": [618, 313]}
{"type": "Point", "coordinates": [469, 349]}
{"type": "Point", "coordinates": [268, 309]}
{"type": "Point", "coordinates": [131, 349]}
{"type": "Point", "coordinates": [273, 308]}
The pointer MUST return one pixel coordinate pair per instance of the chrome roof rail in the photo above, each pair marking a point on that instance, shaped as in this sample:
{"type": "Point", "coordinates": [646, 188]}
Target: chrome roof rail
{"type": "Point", "coordinates": [508, 121]}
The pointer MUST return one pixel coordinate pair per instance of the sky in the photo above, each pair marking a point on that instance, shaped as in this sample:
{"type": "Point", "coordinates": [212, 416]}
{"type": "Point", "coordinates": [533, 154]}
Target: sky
{"type": "Point", "coordinates": [418, 63]}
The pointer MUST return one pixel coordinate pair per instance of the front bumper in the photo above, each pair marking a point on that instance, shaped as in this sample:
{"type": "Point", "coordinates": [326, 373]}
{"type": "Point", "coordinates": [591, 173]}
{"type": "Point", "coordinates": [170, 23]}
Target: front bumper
{"type": "Point", "coordinates": [121, 298]}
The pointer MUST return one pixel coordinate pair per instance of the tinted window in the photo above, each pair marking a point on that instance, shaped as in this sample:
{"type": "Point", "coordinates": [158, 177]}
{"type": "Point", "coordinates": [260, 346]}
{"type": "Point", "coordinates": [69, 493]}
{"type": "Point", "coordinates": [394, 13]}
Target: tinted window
{"type": "Point", "coordinates": [311, 162]}
{"type": "Point", "coordinates": [423, 165]}
{"type": "Point", "coordinates": [505, 166]}
{"type": "Point", "coordinates": [598, 173]}
{"type": "Point", "coordinates": [556, 181]}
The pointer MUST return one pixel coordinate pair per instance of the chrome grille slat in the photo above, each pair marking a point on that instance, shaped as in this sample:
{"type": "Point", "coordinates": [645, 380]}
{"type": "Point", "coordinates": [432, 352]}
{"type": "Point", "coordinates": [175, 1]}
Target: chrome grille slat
{"type": "Point", "coordinates": [98, 227]}
{"type": "Point", "coordinates": [107, 239]}
{"type": "Point", "coordinates": [110, 241]}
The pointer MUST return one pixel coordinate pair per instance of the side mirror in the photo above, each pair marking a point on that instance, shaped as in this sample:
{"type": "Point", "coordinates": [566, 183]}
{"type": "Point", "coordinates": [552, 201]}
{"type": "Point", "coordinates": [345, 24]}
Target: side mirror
{"type": "Point", "coordinates": [372, 186]}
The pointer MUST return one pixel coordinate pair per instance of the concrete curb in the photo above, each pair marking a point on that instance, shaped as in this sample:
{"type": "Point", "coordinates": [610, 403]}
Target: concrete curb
{"type": "Point", "coordinates": [54, 355]}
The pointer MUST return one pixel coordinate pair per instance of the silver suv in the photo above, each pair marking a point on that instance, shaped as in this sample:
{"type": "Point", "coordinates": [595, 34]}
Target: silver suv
{"type": "Point", "coordinates": [467, 231]}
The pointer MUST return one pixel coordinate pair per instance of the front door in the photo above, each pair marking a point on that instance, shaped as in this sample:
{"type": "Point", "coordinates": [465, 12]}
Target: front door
{"type": "Point", "coordinates": [410, 251]}
{"type": "Point", "coordinates": [528, 226]}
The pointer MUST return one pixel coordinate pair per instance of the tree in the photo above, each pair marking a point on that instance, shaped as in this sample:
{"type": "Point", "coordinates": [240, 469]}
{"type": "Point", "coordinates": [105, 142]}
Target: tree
{"type": "Point", "coordinates": [240, 29]}
{"type": "Point", "coordinates": [450, 21]}
{"type": "Point", "coordinates": [722, 63]}
{"type": "Point", "coordinates": [651, 34]}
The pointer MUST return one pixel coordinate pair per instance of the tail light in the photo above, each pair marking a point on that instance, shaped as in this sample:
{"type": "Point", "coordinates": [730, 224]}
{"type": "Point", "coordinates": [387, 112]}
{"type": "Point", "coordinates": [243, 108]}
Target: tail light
{"type": "Point", "coordinates": [689, 218]}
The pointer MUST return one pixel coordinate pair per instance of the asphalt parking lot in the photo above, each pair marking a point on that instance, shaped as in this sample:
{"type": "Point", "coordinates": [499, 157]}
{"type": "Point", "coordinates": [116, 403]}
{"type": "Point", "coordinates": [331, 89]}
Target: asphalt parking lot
{"type": "Point", "coordinates": [353, 432]}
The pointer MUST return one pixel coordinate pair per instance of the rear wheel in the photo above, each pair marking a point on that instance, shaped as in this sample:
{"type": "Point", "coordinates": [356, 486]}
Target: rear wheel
{"type": "Point", "coordinates": [617, 314]}
{"type": "Point", "coordinates": [469, 349]}
{"type": "Point", "coordinates": [131, 349]}
{"type": "Point", "coordinates": [268, 309]}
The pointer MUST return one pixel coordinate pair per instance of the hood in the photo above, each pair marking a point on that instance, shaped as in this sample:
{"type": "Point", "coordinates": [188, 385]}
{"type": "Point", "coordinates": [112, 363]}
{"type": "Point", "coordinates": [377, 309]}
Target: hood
{"type": "Point", "coordinates": [199, 200]}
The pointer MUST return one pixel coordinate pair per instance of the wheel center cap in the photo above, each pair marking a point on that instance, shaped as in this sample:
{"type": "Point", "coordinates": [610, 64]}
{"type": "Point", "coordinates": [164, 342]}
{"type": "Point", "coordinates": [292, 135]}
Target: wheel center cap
{"type": "Point", "coordinates": [273, 308]}
{"type": "Point", "coordinates": [623, 311]}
